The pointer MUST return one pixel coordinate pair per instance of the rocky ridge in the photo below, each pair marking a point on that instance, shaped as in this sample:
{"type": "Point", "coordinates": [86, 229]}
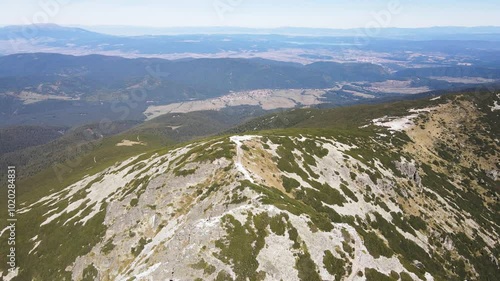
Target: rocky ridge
{"type": "Point", "coordinates": [407, 197]}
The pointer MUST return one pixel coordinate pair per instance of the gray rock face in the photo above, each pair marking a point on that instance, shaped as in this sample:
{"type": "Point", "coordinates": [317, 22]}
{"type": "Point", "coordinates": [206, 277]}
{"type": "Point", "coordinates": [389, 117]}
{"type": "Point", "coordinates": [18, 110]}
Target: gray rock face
{"type": "Point", "coordinates": [409, 169]}
{"type": "Point", "coordinates": [493, 174]}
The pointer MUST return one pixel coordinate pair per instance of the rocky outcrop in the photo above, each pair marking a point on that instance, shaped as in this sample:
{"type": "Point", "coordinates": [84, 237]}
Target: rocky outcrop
{"type": "Point", "coordinates": [493, 174]}
{"type": "Point", "coordinates": [410, 170]}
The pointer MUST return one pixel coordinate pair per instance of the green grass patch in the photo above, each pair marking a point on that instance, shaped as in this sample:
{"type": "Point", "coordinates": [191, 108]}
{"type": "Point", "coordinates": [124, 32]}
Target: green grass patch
{"type": "Point", "coordinates": [290, 184]}
{"type": "Point", "coordinates": [240, 247]}
{"type": "Point", "coordinates": [334, 266]}
{"type": "Point", "coordinates": [208, 269]}
{"type": "Point", "coordinates": [348, 192]}
{"type": "Point", "coordinates": [373, 275]}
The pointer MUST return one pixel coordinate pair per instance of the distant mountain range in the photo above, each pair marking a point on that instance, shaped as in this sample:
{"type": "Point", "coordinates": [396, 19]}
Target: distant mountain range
{"type": "Point", "coordinates": [428, 33]}
{"type": "Point", "coordinates": [194, 71]}
{"type": "Point", "coordinates": [241, 42]}
{"type": "Point", "coordinates": [46, 30]}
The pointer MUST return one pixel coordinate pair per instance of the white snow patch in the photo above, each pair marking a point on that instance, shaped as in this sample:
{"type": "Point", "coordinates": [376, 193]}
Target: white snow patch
{"type": "Point", "coordinates": [5, 229]}
{"type": "Point", "coordinates": [427, 109]}
{"type": "Point", "coordinates": [50, 219]}
{"type": "Point", "coordinates": [401, 123]}
{"type": "Point", "coordinates": [436, 98]}
{"type": "Point", "coordinates": [34, 247]}
{"type": "Point", "coordinates": [11, 275]}
{"type": "Point", "coordinates": [24, 210]}
{"type": "Point", "coordinates": [395, 123]}
{"type": "Point", "coordinates": [51, 211]}
{"type": "Point", "coordinates": [495, 106]}
{"type": "Point", "coordinates": [238, 140]}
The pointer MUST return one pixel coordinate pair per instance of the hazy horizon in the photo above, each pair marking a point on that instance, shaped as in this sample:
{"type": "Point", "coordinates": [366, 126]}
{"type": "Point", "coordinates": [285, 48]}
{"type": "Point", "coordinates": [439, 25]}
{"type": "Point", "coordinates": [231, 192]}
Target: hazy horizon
{"type": "Point", "coordinates": [253, 13]}
{"type": "Point", "coordinates": [130, 30]}
{"type": "Point", "coordinates": [245, 27]}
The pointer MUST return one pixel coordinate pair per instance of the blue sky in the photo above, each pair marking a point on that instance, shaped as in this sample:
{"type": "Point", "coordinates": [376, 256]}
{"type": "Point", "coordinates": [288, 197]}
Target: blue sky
{"type": "Point", "coordinates": [254, 13]}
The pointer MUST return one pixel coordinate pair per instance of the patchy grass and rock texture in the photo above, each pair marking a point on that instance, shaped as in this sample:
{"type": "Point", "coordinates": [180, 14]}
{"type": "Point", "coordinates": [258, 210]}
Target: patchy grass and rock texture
{"type": "Point", "coordinates": [409, 200]}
